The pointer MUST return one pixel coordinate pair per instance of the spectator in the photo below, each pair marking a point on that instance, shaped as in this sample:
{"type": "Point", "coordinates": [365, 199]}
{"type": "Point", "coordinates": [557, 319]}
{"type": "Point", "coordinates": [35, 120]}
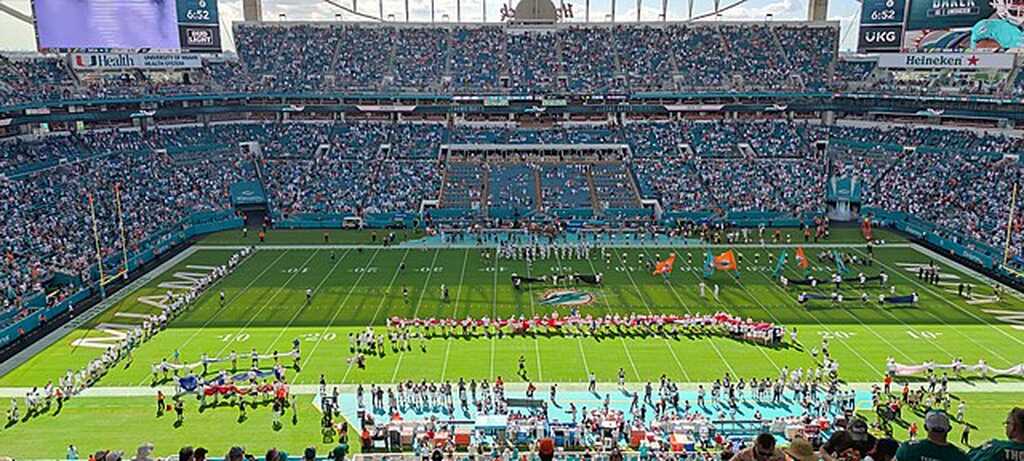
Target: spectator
{"type": "Point", "coordinates": [186, 454]}
{"type": "Point", "coordinates": [763, 449]}
{"type": "Point", "coordinates": [1011, 449]}
{"type": "Point", "coordinates": [546, 449]}
{"type": "Point", "coordinates": [144, 453]}
{"type": "Point", "coordinates": [800, 449]}
{"type": "Point", "coordinates": [340, 451]}
{"type": "Point", "coordinates": [934, 447]}
{"type": "Point", "coordinates": [885, 450]}
{"type": "Point", "coordinates": [235, 454]}
{"type": "Point", "coordinates": [854, 442]}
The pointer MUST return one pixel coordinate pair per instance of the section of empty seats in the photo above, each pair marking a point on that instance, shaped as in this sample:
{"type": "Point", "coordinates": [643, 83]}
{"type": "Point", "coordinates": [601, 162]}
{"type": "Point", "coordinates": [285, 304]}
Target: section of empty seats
{"type": "Point", "coordinates": [565, 186]}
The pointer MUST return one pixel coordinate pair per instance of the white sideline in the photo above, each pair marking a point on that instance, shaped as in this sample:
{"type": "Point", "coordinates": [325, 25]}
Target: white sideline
{"type": "Point", "coordinates": [955, 387]}
{"type": "Point", "coordinates": [461, 246]}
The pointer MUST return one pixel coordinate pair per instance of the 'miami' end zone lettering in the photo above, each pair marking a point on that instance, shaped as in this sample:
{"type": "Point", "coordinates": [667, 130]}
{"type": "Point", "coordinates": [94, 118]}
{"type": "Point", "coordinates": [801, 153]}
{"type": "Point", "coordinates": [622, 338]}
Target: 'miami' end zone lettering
{"type": "Point", "coordinates": [109, 334]}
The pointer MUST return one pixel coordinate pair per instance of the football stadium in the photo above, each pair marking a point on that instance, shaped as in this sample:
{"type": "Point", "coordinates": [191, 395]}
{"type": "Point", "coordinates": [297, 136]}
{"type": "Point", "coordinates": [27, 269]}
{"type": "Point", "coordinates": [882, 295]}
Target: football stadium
{"type": "Point", "coordinates": [398, 231]}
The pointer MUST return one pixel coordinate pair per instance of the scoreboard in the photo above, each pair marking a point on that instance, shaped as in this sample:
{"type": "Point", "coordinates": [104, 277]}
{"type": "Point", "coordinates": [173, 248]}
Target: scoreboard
{"type": "Point", "coordinates": [172, 26]}
{"type": "Point", "coordinates": [920, 25]}
{"type": "Point", "coordinates": [881, 25]}
{"type": "Point", "coordinates": [198, 25]}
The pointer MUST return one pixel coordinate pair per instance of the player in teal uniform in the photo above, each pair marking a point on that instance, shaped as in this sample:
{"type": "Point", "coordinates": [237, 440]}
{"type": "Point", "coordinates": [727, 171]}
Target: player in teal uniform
{"type": "Point", "coordinates": [996, 33]}
{"type": "Point", "coordinates": [935, 447]}
{"type": "Point", "coordinates": [1002, 32]}
{"type": "Point", "coordinates": [1004, 450]}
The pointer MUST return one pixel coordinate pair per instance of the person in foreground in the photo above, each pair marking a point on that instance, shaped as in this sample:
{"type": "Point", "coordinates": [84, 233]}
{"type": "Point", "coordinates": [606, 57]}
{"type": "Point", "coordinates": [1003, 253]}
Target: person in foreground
{"type": "Point", "coordinates": [935, 447]}
{"type": "Point", "coordinates": [1004, 450]}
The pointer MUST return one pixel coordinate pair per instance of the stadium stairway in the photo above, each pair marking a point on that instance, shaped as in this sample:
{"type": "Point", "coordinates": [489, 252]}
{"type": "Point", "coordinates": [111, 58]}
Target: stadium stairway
{"type": "Point", "coordinates": [538, 191]}
{"type": "Point", "coordinates": [594, 202]}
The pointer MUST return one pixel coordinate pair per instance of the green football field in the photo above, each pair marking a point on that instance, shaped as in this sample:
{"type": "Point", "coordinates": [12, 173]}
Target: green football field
{"type": "Point", "coordinates": [356, 287]}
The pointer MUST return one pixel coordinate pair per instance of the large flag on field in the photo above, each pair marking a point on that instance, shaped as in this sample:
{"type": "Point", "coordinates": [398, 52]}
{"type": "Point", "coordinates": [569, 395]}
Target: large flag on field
{"type": "Point", "coordinates": [726, 261]}
{"type": "Point", "coordinates": [840, 265]}
{"type": "Point", "coordinates": [780, 263]}
{"type": "Point", "coordinates": [801, 258]}
{"type": "Point", "coordinates": [665, 267]}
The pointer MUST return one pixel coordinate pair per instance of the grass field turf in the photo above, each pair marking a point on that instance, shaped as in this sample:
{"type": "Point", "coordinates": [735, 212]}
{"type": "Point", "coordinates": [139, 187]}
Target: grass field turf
{"type": "Point", "coordinates": [360, 287]}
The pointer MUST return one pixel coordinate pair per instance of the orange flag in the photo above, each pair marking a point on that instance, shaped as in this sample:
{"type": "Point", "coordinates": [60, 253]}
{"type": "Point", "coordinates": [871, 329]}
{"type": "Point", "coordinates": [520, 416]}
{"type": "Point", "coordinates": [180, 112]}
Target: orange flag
{"type": "Point", "coordinates": [726, 261]}
{"type": "Point", "coordinates": [665, 267]}
{"type": "Point", "coordinates": [801, 258]}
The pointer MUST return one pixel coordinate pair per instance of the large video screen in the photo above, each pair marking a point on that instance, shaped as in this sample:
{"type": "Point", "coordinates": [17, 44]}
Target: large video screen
{"type": "Point", "coordinates": [163, 25]}
{"type": "Point", "coordinates": [941, 25]}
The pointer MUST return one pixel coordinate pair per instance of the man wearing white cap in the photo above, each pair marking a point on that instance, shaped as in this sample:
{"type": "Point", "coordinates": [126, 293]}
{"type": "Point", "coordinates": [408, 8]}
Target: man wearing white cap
{"type": "Point", "coordinates": [1004, 450]}
{"type": "Point", "coordinates": [935, 447]}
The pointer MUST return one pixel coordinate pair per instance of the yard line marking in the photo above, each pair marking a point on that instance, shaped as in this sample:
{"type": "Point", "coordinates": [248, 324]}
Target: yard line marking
{"type": "Point", "coordinates": [726, 307]}
{"type": "Point", "coordinates": [416, 312]}
{"type": "Point", "coordinates": [955, 306]}
{"type": "Point", "coordinates": [579, 339]}
{"type": "Point", "coordinates": [866, 327]}
{"type": "Point", "coordinates": [960, 388]}
{"type": "Point", "coordinates": [334, 317]}
{"type": "Point", "coordinates": [709, 340]}
{"type": "Point", "coordinates": [608, 307]}
{"type": "Point", "coordinates": [885, 340]}
{"type": "Point", "coordinates": [651, 312]}
{"type": "Point", "coordinates": [228, 301]}
{"type": "Point", "coordinates": [471, 246]}
{"type": "Point", "coordinates": [790, 301]}
{"type": "Point", "coordinates": [268, 301]}
{"type": "Point", "coordinates": [455, 310]}
{"type": "Point", "coordinates": [494, 312]}
{"type": "Point", "coordinates": [381, 304]}
{"type": "Point", "coordinates": [298, 311]}
{"type": "Point", "coordinates": [533, 311]}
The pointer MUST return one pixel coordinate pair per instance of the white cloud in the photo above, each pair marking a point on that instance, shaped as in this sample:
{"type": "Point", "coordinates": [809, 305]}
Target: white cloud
{"type": "Point", "coordinates": [779, 9]}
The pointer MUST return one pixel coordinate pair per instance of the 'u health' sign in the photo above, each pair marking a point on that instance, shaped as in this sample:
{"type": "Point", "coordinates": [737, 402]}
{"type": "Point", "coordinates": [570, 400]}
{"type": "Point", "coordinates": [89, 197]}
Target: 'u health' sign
{"type": "Point", "coordinates": [120, 61]}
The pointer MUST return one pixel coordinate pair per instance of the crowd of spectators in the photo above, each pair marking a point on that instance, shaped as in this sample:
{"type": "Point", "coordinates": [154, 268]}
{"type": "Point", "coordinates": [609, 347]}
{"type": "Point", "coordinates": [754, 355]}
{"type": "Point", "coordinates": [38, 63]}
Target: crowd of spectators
{"type": "Point", "coordinates": [958, 179]}
{"type": "Point", "coordinates": [32, 79]}
{"type": "Point", "coordinates": [852, 441]}
{"type": "Point", "coordinates": [306, 57]}
{"type": "Point", "coordinates": [291, 57]}
{"type": "Point", "coordinates": [309, 57]}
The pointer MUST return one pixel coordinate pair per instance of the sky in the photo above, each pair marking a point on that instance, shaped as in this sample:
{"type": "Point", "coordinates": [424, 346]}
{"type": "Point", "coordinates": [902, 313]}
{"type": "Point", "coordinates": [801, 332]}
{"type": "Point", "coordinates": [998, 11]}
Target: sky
{"type": "Point", "coordinates": [18, 36]}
